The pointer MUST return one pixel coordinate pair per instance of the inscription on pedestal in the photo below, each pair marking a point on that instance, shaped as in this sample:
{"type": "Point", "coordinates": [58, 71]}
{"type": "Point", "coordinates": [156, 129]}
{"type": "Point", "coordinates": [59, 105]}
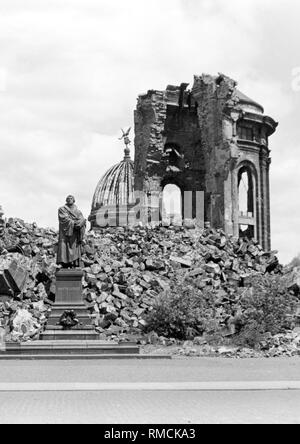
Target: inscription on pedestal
{"type": "Point", "coordinates": [69, 287]}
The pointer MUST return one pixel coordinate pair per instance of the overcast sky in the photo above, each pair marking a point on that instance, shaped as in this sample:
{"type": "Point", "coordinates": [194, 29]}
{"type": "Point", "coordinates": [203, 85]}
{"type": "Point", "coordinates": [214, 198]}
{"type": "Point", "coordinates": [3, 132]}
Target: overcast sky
{"type": "Point", "coordinates": [71, 70]}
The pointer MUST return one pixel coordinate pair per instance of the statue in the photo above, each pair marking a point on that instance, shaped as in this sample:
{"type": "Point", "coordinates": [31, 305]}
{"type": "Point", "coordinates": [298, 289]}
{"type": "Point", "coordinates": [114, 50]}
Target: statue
{"type": "Point", "coordinates": [71, 232]}
{"type": "Point", "coordinates": [125, 136]}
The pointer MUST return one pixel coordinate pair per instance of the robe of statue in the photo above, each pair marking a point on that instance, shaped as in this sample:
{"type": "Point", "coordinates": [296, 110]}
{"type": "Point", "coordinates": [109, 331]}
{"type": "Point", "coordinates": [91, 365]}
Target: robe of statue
{"type": "Point", "coordinates": [71, 232]}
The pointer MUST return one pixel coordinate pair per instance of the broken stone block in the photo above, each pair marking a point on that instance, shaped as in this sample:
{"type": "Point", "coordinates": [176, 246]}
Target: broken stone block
{"type": "Point", "coordinates": [17, 276]}
{"type": "Point", "coordinates": [212, 268]}
{"type": "Point", "coordinates": [91, 278]}
{"type": "Point", "coordinates": [189, 224]}
{"type": "Point", "coordinates": [196, 272]}
{"type": "Point", "coordinates": [118, 294]}
{"type": "Point", "coordinates": [5, 287]}
{"type": "Point", "coordinates": [186, 262]}
{"type": "Point", "coordinates": [138, 312]}
{"type": "Point", "coordinates": [96, 269]}
{"type": "Point", "coordinates": [24, 325]}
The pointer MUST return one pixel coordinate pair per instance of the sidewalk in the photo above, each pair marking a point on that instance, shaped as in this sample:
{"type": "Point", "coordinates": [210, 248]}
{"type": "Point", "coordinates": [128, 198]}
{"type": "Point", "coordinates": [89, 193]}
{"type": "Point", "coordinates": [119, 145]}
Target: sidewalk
{"type": "Point", "coordinates": [177, 370]}
{"type": "Point", "coordinates": [221, 386]}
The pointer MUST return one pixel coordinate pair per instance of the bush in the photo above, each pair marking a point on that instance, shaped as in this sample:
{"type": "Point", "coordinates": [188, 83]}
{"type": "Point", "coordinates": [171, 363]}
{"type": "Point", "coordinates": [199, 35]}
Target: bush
{"type": "Point", "coordinates": [266, 307]}
{"type": "Point", "coordinates": [186, 311]}
{"type": "Point", "coordinates": [183, 313]}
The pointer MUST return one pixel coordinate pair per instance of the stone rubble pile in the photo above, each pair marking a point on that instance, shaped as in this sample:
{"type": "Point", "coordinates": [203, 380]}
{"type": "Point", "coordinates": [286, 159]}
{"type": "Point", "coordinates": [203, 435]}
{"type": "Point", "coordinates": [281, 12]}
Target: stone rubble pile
{"type": "Point", "coordinates": [125, 270]}
{"type": "Point", "coordinates": [282, 345]}
{"type": "Point", "coordinates": [27, 278]}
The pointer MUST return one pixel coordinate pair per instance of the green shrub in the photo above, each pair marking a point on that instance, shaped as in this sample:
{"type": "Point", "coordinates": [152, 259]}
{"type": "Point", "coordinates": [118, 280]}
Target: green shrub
{"type": "Point", "coordinates": [182, 313]}
{"type": "Point", "coordinates": [266, 307]}
{"type": "Point", "coordinates": [186, 311]}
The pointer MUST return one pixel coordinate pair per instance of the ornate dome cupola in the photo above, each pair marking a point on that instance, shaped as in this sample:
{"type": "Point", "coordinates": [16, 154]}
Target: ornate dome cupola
{"type": "Point", "coordinates": [114, 195]}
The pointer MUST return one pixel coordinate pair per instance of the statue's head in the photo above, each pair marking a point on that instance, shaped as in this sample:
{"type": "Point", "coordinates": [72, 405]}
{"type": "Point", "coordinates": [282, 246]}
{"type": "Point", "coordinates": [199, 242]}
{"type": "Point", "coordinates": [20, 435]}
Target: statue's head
{"type": "Point", "coordinates": [70, 200]}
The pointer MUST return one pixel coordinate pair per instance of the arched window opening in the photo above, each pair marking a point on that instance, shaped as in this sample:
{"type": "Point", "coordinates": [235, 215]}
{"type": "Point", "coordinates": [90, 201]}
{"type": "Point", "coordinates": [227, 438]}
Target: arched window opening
{"type": "Point", "coordinates": [246, 203]}
{"type": "Point", "coordinates": [172, 203]}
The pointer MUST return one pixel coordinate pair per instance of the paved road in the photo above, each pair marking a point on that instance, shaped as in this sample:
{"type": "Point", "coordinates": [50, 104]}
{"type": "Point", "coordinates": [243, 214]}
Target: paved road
{"type": "Point", "coordinates": [150, 407]}
{"type": "Point", "coordinates": [177, 392]}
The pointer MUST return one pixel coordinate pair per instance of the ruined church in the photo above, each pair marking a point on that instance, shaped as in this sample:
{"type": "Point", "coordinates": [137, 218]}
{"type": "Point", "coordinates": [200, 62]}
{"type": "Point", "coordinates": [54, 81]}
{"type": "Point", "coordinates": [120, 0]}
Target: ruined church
{"type": "Point", "coordinates": [210, 141]}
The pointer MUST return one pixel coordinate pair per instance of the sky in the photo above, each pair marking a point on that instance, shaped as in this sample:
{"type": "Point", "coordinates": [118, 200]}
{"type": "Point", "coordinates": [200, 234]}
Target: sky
{"type": "Point", "coordinates": [71, 71]}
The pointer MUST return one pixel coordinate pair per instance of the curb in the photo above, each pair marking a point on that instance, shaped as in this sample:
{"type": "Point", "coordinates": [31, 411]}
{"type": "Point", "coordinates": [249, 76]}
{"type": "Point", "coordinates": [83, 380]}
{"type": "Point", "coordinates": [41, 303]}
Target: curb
{"type": "Point", "coordinates": [152, 386]}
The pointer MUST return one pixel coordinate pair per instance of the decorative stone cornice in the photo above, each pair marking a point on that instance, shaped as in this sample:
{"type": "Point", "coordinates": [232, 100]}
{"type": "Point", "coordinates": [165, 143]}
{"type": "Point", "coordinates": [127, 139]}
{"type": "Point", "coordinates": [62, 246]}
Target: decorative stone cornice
{"type": "Point", "coordinates": [267, 121]}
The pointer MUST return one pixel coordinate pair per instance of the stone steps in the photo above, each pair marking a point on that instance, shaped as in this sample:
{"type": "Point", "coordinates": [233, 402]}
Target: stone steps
{"type": "Point", "coordinates": [58, 309]}
{"type": "Point", "coordinates": [78, 356]}
{"type": "Point", "coordinates": [57, 334]}
{"type": "Point", "coordinates": [68, 348]}
{"type": "Point", "coordinates": [61, 308]}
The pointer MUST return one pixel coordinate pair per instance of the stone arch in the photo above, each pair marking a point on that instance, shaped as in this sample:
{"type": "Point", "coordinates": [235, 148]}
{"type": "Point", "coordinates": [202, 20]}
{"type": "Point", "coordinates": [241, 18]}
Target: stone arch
{"type": "Point", "coordinates": [247, 181]}
{"type": "Point", "coordinates": [171, 198]}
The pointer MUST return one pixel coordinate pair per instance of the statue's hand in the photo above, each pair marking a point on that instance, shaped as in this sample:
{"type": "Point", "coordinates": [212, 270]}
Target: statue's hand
{"type": "Point", "coordinates": [79, 223]}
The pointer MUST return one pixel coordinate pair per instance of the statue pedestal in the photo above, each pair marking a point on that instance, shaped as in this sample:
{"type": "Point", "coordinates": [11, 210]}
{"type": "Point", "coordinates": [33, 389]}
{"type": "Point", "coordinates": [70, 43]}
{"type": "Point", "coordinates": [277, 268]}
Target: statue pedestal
{"type": "Point", "coordinates": [69, 299]}
{"type": "Point", "coordinates": [69, 287]}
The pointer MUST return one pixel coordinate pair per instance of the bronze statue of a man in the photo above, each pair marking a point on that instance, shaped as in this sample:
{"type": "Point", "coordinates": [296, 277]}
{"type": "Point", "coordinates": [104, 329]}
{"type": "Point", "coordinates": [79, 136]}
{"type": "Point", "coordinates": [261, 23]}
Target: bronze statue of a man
{"type": "Point", "coordinates": [72, 226]}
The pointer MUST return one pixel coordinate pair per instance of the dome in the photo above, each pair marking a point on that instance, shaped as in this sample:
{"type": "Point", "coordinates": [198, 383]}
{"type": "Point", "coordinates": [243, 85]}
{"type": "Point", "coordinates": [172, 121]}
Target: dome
{"type": "Point", "coordinates": [115, 188]}
{"type": "Point", "coordinates": [249, 103]}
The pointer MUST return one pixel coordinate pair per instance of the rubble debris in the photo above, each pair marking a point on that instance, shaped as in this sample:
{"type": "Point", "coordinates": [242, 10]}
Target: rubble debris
{"type": "Point", "coordinates": [27, 278]}
{"type": "Point", "coordinates": [125, 271]}
{"type": "Point", "coordinates": [292, 278]}
{"type": "Point", "coordinates": [279, 346]}
{"type": "Point", "coordinates": [131, 267]}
